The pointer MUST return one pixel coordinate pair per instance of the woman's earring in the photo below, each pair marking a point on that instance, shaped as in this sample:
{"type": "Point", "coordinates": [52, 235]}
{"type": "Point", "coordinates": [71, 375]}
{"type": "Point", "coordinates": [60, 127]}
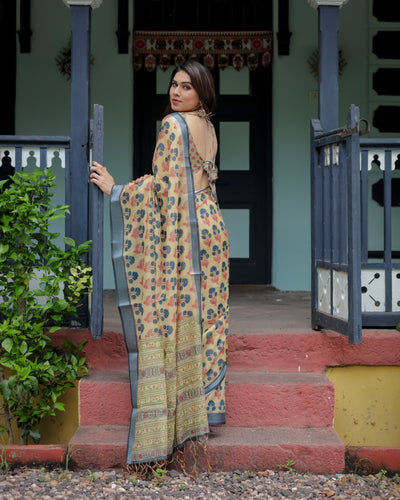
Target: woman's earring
{"type": "Point", "coordinates": [201, 112]}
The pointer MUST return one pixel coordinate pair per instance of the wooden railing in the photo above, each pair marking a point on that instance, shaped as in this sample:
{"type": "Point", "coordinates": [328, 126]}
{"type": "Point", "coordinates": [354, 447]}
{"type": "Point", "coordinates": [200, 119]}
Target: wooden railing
{"type": "Point", "coordinates": [380, 231]}
{"type": "Point", "coordinates": [20, 153]}
{"type": "Point", "coordinates": [355, 229]}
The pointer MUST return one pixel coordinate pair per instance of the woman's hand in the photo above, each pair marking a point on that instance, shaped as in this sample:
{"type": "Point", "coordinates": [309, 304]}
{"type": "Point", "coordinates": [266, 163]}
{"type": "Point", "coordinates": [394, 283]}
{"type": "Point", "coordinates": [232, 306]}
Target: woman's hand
{"type": "Point", "coordinates": [101, 178]}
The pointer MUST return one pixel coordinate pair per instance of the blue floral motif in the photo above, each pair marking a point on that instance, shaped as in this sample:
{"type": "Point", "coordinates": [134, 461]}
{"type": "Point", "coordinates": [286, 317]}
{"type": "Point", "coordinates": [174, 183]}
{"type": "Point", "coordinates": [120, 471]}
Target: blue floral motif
{"type": "Point", "coordinates": [170, 266]}
{"type": "Point", "coordinates": [214, 271]}
{"type": "Point", "coordinates": [168, 330]}
{"type": "Point", "coordinates": [204, 254]}
{"type": "Point", "coordinates": [171, 202]}
{"type": "Point", "coordinates": [210, 354]}
{"type": "Point", "coordinates": [210, 406]}
{"type": "Point", "coordinates": [216, 250]}
{"type": "Point", "coordinates": [132, 276]}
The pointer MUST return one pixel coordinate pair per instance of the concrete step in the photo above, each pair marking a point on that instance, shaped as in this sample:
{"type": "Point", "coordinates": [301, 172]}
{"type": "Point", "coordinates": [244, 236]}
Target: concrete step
{"type": "Point", "coordinates": [317, 450]}
{"type": "Point", "coordinates": [283, 352]}
{"type": "Point", "coordinates": [105, 398]}
{"type": "Point", "coordinates": [99, 447]}
{"type": "Point", "coordinates": [258, 399]}
{"type": "Point", "coordinates": [254, 399]}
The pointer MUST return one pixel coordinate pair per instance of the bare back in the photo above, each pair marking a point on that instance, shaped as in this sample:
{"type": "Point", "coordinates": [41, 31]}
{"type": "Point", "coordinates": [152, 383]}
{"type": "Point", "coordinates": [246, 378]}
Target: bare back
{"type": "Point", "coordinates": [203, 134]}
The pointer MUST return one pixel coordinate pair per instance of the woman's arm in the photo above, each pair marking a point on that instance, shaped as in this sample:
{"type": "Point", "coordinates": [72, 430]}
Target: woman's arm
{"type": "Point", "coordinates": [101, 178]}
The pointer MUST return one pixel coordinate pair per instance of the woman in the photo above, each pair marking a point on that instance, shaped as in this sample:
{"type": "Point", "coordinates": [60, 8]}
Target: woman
{"type": "Point", "coordinates": [170, 254]}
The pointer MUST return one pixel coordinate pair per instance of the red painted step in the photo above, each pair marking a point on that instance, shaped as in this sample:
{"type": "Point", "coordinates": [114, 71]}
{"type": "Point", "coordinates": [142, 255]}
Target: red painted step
{"type": "Point", "coordinates": [105, 398]}
{"type": "Point", "coordinates": [229, 448]}
{"type": "Point", "coordinates": [254, 399]}
{"type": "Point", "coordinates": [99, 447]}
{"type": "Point", "coordinates": [319, 450]}
{"type": "Point", "coordinates": [282, 352]}
{"type": "Point", "coordinates": [279, 402]}
{"type": "Point", "coordinates": [310, 352]}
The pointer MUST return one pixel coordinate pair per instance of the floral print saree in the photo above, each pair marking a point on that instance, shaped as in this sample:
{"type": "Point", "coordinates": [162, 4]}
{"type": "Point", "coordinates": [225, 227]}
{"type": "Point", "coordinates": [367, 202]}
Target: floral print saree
{"type": "Point", "coordinates": [170, 255]}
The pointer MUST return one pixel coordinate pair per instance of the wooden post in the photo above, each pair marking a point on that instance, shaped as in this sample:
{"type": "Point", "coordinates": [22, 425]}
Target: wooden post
{"type": "Point", "coordinates": [77, 179]}
{"type": "Point", "coordinates": [328, 42]}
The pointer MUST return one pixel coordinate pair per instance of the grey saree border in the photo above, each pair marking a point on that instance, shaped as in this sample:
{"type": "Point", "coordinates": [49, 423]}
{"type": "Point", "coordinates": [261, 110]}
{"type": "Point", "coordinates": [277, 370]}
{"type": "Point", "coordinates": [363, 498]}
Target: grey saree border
{"type": "Point", "coordinates": [124, 306]}
{"type": "Point", "coordinates": [194, 224]}
{"type": "Point", "coordinates": [213, 419]}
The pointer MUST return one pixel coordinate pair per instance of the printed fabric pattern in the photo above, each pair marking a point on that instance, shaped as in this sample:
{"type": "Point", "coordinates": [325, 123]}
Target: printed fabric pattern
{"type": "Point", "coordinates": [157, 264]}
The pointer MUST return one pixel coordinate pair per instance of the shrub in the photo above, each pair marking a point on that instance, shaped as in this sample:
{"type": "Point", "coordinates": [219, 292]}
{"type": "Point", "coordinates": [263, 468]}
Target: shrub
{"type": "Point", "coordinates": [40, 287]}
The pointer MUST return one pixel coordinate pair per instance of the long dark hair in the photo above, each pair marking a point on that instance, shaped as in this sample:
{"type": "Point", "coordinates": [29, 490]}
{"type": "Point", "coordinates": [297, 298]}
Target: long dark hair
{"type": "Point", "coordinates": [202, 82]}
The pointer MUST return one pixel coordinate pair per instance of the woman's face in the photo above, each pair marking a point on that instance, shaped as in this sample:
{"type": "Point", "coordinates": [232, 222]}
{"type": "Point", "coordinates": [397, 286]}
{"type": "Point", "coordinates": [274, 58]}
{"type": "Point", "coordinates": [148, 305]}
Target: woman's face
{"type": "Point", "coordinates": [182, 95]}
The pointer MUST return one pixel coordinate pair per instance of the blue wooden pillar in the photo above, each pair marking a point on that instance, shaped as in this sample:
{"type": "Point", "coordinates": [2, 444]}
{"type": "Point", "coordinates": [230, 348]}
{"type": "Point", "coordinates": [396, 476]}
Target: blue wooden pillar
{"type": "Point", "coordinates": [328, 42]}
{"type": "Point", "coordinates": [77, 186]}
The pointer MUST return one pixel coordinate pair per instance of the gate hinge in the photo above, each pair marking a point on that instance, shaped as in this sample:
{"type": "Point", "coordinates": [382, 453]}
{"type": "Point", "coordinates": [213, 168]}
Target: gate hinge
{"type": "Point", "coordinates": [345, 132]}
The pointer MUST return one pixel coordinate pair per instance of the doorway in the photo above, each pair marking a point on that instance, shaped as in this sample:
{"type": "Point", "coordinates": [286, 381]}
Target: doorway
{"type": "Point", "coordinates": [242, 121]}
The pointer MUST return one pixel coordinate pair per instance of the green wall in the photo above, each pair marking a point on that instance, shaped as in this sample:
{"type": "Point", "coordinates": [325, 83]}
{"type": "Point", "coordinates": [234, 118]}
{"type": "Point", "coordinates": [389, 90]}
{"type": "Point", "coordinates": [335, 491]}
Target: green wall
{"type": "Point", "coordinates": [43, 94]}
{"type": "Point", "coordinates": [43, 108]}
{"type": "Point", "coordinates": [294, 93]}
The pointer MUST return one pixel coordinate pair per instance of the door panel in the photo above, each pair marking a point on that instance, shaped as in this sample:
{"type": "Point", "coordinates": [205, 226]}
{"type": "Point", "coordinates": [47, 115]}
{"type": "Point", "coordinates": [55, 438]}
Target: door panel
{"type": "Point", "coordinates": [242, 122]}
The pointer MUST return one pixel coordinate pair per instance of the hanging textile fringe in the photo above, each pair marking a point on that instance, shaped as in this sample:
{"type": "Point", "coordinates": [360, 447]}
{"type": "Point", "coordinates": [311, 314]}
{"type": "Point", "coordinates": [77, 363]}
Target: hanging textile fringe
{"type": "Point", "coordinates": [236, 49]}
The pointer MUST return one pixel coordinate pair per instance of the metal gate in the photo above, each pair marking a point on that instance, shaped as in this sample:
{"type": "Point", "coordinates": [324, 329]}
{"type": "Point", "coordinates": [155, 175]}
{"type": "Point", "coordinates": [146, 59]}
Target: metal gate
{"type": "Point", "coordinates": [335, 228]}
{"type": "Point", "coordinates": [355, 193]}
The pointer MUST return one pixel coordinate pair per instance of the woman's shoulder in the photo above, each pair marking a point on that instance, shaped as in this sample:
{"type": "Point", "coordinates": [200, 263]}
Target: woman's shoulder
{"type": "Point", "coordinates": [170, 118]}
{"type": "Point", "coordinates": [172, 121]}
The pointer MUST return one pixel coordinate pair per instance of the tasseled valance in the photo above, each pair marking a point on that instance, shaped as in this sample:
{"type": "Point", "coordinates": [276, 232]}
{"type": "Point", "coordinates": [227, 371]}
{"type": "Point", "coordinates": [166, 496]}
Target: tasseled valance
{"type": "Point", "coordinates": [165, 48]}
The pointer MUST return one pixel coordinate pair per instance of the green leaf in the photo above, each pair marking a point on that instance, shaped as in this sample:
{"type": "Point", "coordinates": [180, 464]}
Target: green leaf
{"type": "Point", "coordinates": [5, 389]}
{"type": "Point", "coordinates": [35, 435]}
{"type": "Point", "coordinates": [84, 247]}
{"type": "Point", "coordinates": [7, 344]}
{"type": "Point", "coordinates": [3, 248]}
{"type": "Point", "coordinates": [23, 348]}
{"type": "Point", "coordinates": [69, 241]}
{"type": "Point", "coordinates": [59, 406]}
{"type": "Point", "coordinates": [25, 372]}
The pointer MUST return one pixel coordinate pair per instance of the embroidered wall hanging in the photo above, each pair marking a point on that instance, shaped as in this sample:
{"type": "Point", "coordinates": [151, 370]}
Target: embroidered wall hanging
{"type": "Point", "coordinates": [163, 48]}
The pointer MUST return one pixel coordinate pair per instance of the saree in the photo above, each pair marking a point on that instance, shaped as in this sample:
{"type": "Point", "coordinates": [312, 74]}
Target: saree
{"type": "Point", "coordinates": [170, 257]}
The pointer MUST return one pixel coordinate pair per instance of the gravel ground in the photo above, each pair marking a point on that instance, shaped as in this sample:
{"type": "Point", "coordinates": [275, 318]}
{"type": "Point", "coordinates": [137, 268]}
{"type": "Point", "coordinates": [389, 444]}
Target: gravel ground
{"type": "Point", "coordinates": [30, 483]}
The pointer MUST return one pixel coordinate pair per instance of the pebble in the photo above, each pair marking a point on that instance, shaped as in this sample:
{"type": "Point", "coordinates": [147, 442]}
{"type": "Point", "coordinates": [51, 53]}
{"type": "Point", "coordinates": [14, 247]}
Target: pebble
{"type": "Point", "coordinates": [39, 483]}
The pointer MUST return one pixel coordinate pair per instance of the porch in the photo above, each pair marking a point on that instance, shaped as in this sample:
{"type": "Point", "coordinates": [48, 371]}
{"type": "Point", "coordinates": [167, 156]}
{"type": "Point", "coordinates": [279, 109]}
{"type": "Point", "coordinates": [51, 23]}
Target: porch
{"type": "Point", "coordinates": [280, 401]}
{"type": "Point", "coordinates": [254, 309]}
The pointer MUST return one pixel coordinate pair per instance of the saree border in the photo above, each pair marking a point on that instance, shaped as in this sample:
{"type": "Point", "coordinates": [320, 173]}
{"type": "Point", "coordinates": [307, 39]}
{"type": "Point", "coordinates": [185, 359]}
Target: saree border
{"type": "Point", "coordinates": [194, 224]}
{"type": "Point", "coordinates": [213, 418]}
{"type": "Point", "coordinates": [124, 306]}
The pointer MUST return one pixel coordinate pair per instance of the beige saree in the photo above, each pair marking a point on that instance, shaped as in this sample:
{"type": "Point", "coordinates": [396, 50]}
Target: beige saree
{"type": "Point", "coordinates": [171, 271]}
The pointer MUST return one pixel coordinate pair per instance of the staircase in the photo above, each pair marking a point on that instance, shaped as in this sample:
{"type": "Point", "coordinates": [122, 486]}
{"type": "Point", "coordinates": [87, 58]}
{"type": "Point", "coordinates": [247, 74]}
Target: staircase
{"type": "Point", "coordinates": [279, 406]}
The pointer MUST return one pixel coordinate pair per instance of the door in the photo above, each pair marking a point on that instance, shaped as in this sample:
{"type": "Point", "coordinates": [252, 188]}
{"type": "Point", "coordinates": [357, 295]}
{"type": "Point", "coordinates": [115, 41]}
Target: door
{"type": "Point", "coordinates": [242, 122]}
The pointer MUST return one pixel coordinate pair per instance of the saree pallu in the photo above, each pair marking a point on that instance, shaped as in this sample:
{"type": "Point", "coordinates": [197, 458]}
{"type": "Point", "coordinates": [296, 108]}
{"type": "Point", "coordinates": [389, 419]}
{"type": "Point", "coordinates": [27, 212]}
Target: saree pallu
{"type": "Point", "coordinates": [171, 271]}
